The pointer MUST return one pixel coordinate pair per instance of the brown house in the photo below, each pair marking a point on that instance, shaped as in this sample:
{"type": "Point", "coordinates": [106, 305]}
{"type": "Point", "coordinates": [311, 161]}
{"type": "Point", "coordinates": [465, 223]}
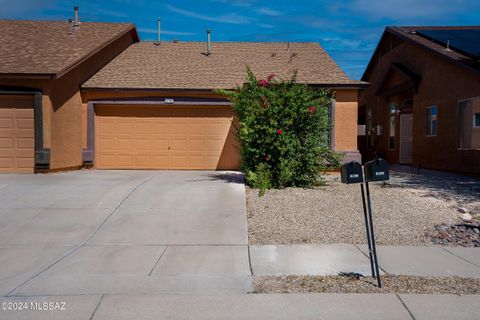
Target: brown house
{"type": "Point", "coordinates": [93, 95]}
{"type": "Point", "coordinates": [423, 105]}
{"type": "Point", "coordinates": [153, 106]}
{"type": "Point", "coordinates": [42, 65]}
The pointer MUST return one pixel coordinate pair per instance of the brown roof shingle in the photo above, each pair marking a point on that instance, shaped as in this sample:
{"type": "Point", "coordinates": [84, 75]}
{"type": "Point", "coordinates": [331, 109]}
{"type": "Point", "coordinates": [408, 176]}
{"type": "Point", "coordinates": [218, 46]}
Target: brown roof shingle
{"type": "Point", "coordinates": [409, 33]}
{"type": "Point", "coordinates": [184, 65]}
{"type": "Point", "coordinates": [44, 47]}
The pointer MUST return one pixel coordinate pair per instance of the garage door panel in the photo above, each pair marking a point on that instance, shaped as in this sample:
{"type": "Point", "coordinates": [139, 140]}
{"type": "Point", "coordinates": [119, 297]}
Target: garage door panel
{"type": "Point", "coordinates": [6, 163]}
{"type": "Point", "coordinates": [25, 143]}
{"type": "Point", "coordinates": [23, 123]}
{"type": "Point", "coordinates": [17, 143]}
{"type": "Point", "coordinates": [6, 143]}
{"type": "Point", "coordinates": [6, 123]}
{"type": "Point", "coordinates": [163, 137]}
{"type": "Point", "coordinates": [26, 163]}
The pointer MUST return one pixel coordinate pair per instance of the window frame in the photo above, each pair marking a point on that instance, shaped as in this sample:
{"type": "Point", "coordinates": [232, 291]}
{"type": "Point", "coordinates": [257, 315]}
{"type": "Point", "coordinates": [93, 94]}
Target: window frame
{"type": "Point", "coordinates": [430, 122]}
{"type": "Point", "coordinates": [392, 116]}
{"type": "Point", "coordinates": [474, 120]}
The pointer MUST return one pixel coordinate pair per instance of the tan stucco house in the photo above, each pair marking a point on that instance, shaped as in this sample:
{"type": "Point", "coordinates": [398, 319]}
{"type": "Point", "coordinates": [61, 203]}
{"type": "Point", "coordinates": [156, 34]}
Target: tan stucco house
{"type": "Point", "coordinates": [124, 104]}
{"type": "Point", "coordinates": [42, 65]}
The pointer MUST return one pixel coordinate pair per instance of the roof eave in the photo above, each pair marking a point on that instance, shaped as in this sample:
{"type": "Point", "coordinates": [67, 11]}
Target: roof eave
{"type": "Point", "coordinates": [96, 50]}
{"type": "Point", "coordinates": [27, 76]}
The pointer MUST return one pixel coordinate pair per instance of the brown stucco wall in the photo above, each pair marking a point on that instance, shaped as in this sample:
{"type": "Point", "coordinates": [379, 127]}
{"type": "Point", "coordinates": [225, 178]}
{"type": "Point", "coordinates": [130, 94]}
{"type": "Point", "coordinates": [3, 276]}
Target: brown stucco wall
{"type": "Point", "coordinates": [443, 84]}
{"type": "Point", "coordinates": [62, 104]}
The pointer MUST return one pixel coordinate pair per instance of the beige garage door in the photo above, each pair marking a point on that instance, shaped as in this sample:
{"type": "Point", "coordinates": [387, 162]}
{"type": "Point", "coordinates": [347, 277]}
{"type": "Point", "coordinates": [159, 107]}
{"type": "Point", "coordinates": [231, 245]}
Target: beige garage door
{"type": "Point", "coordinates": [161, 137]}
{"type": "Point", "coordinates": [17, 145]}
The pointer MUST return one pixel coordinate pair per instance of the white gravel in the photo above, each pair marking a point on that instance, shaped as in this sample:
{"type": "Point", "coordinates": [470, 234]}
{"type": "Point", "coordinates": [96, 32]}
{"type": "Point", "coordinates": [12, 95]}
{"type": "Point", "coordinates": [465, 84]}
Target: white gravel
{"type": "Point", "coordinates": [405, 209]}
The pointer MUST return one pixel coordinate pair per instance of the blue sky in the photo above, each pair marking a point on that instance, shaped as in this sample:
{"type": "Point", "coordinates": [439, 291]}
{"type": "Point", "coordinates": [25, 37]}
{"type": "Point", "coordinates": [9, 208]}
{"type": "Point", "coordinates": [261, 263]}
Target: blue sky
{"type": "Point", "coordinates": [349, 30]}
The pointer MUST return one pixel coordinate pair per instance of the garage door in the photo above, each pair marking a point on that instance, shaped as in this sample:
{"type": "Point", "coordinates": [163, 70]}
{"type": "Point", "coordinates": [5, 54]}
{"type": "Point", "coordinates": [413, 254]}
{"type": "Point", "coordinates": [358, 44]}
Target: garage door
{"type": "Point", "coordinates": [161, 137]}
{"type": "Point", "coordinates": [17, 146]}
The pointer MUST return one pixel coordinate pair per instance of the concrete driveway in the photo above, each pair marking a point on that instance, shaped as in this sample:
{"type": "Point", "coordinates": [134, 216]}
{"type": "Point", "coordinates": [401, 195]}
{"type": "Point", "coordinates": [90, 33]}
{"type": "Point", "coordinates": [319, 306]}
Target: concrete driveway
{"type": "Point", "coordinates": [106, 232]}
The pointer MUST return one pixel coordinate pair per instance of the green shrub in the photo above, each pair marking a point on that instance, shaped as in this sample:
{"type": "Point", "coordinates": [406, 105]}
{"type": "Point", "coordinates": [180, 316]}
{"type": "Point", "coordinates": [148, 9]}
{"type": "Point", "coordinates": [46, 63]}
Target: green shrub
{"type": "Point", "coordinates": [283, 132]}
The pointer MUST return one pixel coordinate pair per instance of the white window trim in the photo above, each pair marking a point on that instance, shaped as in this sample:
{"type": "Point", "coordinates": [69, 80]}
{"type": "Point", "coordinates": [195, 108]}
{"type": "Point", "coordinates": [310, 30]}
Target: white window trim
{"type": "Point", "coordinates": [430, 107]}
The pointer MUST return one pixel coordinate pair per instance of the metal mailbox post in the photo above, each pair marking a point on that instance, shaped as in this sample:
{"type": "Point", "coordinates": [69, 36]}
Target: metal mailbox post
{"type": "Point", "coordinates": [375, 170]}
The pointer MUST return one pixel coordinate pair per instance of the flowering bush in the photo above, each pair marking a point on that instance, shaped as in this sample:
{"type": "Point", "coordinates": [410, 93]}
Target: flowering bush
{"type": "Point", "coordinates": [283, 132]}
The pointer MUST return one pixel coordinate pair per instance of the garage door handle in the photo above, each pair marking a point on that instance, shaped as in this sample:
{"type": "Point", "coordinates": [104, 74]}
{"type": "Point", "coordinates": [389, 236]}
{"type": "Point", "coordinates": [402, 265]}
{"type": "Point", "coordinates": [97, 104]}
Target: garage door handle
{"type": "Point", "coordinates": [169, 148]}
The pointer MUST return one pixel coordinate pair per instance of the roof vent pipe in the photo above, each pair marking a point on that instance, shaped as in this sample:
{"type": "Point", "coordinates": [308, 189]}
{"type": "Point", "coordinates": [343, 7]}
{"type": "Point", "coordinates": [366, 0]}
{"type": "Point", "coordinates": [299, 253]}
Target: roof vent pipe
{"type": "Point", "coordinates": [76, 23]}
{"type": "Point", "coordinates": [158, 32]}
{"type": "Point", "coordinates": [209, 44]}
{"type": "Point", "coordinates": [70, 28]}
{"type": "Point", "coordinates": [448, 46]}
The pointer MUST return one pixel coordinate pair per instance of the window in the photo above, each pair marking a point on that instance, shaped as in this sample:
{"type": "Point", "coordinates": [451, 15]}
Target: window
{"type": "Point", "coordinates": [476, 120]}
{"type": "Point", "coordinates": [431, 121]}
{"type": "Point", "coordinates": [392, 120]}
{"type": "Point", "coordinates": [469, 124]}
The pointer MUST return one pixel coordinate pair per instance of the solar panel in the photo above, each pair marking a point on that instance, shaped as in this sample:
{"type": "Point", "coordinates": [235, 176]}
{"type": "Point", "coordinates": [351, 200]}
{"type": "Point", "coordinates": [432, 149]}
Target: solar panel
{"type": "Point", "coordinates": [465, 41]}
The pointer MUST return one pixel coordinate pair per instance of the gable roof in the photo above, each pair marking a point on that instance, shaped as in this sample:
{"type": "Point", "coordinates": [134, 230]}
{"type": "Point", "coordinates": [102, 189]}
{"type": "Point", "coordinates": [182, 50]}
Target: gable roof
{"type": "Point", "coordinates": [184, 65]}
{"type": "Point", "coordinates": [44, 48]}
{"type": "Point", "coordinates": [408, 33]}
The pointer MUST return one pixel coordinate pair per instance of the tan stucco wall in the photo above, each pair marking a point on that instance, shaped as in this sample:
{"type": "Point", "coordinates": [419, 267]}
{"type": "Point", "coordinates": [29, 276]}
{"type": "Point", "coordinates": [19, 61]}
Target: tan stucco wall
{"type": "Point", "coordinates": [345, 126]}
{"type": "Point", "coordinates": [62, 105]}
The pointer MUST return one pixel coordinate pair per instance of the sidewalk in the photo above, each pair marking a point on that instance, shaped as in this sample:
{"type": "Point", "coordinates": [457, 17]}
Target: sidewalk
{"type": "Point", "coordinates": [330, 259]}
{"type": "Point", "coordinates": [254, 306]}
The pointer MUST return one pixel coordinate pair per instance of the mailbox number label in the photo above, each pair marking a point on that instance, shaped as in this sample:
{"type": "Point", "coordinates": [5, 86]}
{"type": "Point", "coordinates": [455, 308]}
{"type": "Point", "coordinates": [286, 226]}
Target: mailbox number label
{"type": "Point", "coordinates": [380, 173]}
{"type": "Point", "coordinates": [355, 175]}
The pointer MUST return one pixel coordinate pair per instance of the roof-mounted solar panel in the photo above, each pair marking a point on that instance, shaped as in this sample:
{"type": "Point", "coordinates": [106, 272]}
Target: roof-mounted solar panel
{"type": "Point", "coordinates": [464, 41]}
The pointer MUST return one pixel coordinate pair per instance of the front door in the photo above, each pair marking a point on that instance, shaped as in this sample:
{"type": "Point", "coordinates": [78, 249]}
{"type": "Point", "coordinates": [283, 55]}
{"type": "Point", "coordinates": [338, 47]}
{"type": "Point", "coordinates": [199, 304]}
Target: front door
{"type": "Point", "coordinates": [406, 128]}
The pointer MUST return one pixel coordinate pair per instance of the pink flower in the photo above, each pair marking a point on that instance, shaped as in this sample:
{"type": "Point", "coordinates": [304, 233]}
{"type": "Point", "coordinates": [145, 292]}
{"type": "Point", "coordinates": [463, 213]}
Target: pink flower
{"type": "Point", "coordinates": [271, 76]}
{"type": "Point", "coordinates": [267, 157]}
{"type": "Point", "coordinates": [312, 109]}
{"type": "Point", "coordinates": [263, 83]}
{"type": "Point", "coordinates": [279, 131]}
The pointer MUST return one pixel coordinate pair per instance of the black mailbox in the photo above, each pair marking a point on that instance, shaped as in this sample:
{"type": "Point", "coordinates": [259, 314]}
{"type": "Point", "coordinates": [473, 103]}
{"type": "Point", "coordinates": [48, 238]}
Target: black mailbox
{"type": "Point", "coordinates": [352, 172]}
{"type": "Point", "coordinates": [376, 170]}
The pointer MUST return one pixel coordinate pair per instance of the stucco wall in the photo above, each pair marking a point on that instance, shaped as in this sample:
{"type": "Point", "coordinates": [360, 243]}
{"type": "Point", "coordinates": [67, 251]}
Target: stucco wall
{"type": "Point", "coordinates": [443, 84]}
{"type": "Point", "coordinates": [345, 126]}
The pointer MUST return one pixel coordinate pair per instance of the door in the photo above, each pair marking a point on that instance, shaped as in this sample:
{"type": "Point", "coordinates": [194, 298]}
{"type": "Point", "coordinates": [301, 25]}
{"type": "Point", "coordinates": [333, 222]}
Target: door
{"type": "Point", "coordinates": [164, 137]}
{"type": "Point", "coordinates": [406, 137]}
{"type": "Point", "coordinates": [17, 145]}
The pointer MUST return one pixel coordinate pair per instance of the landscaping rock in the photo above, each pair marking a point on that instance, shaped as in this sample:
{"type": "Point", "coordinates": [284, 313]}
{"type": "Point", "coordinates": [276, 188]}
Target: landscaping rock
{"type": "Point", "coordinates": [466, 235]}
{"type": "Point", "coordinates": [462, 210]}
{"type": "Point", "coordinates": [467, 217]}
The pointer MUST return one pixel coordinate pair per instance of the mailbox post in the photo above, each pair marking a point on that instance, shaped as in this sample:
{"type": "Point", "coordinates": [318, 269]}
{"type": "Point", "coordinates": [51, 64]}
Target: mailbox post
{"type": "Point", "coordinates": [375, 170]}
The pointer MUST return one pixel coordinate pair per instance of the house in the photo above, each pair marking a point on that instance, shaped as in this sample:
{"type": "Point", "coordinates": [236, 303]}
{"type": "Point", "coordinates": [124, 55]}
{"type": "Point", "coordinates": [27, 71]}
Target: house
{"type": "Point", "coordinates": [423, 105]}
{"type": "Point", "coordinates": [154, 106]}
{"type": "Point", "coordinates": [42, 65]}
{"type": "Point", "coordinates": [92, 95]}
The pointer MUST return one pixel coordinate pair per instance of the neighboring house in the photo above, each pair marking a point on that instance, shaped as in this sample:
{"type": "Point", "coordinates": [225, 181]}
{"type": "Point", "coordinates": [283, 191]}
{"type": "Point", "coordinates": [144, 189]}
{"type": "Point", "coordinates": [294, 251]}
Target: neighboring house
{"type": "Point", "coordinates": [153, 106]}
{"type": "Point", "coordinates": [423, 105]}
{"type": "Point", "coordinates": [42, 65]}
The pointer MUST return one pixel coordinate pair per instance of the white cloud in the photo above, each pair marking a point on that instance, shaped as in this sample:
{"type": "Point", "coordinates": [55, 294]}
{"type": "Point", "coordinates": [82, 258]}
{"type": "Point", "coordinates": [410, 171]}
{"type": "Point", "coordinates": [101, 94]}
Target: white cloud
{"type": "Point", "coordinates": [167, 32]}
{"type": "Point", "coordinates": [268, 12]}
{"type": "Point", "coordinates": [232, 18]}
{"type": "Point", "coordinates": [266, 25]}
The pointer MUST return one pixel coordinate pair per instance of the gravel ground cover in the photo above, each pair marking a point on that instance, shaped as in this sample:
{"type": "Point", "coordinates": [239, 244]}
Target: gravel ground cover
{"type": "Point", "coordinates": [390, 284]}
{"type": "Point", "coordinates": [406, 210]}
